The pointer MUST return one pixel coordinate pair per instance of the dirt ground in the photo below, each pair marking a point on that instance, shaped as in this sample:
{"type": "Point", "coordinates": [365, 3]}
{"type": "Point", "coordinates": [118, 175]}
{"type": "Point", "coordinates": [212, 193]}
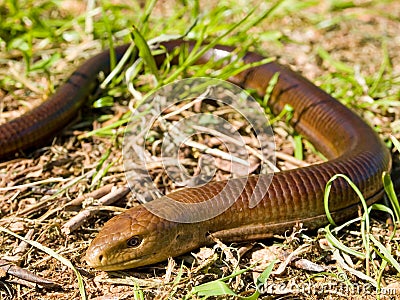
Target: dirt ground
{"type": "Point", "coordinates": [358, 36]}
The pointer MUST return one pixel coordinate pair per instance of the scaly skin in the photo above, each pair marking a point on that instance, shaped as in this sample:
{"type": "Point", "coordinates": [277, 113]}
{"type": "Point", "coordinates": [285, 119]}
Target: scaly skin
{"type": "Point", "coordinates": [138, 237]}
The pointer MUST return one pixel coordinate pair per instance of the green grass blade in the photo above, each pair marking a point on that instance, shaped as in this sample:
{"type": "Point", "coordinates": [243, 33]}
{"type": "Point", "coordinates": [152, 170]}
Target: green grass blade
{"type": "Point", "coordinates": [390, 192]}
{"type": "Point", "coordinates": [143, 27]}
{"type": "Point", "coordinates": [219, 287]}
{"type": "Point", "coordinates": [213, 288]}
{"type": "Point", "coordinates": [266, 273]}
{"type": "Point", "coordinates": [384, 67]}
{"type": "Point", "coordinates": [286, 111]}
{"type": "Point", "coordinates": [341, 67]}
{"type": "Point", "coordinates": [327, 192]}
{"type": "Point", "coordinates": [387, 255]}
{"type": "Point", "coordinates": [130, 51]}
{"type": "Point", "coordinates": [144, 51]}
{"type": "Point", "coordinates": [381, 207]}
{"type": "Point", "coordinates": [226, 74]}
{"type": "Point", "coordinates": [339, 245]}
{"type": "Point", "coordinates": [110, 40]}
{"type": "Point", "coordinates": [298, 147]}
{"type": "Point", "coordinates": [365, 222]}
{"type": "Point", "coordinates": [195, 55]}
{"type": "Point", "coordinates": [137, 292]}
{"type": "Point", "coordinates": [263, 16]}
{"type": "Point", "coordinates": [268, 91]}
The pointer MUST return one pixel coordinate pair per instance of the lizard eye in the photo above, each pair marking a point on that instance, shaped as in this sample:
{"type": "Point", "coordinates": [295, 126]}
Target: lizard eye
{"type": "Point", "coordinates": [134, 241]}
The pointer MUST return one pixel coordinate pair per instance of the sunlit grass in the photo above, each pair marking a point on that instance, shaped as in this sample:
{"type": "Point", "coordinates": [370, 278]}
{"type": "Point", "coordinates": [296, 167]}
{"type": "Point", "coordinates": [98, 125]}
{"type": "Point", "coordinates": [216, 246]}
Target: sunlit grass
{"type": "Point", "coordinates": [38, 38]}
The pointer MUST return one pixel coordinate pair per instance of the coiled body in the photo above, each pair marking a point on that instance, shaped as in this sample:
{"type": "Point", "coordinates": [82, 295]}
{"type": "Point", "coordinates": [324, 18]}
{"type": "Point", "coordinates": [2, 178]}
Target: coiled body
{"type": "Point", "coordinates": [351, 146]}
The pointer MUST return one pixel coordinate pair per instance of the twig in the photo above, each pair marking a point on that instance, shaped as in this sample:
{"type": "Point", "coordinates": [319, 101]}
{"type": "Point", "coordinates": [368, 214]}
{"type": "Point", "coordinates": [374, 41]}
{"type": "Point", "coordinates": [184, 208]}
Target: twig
{"type": "Point", "coordinates": [50, 180]}
{"type": "Point", "coordinates": [188, 105]}
{"type": "Point", "coordinates": [21, 249]}
{"type": "Point", "coordinates": [66, 186]}
{"type": "Point", "coordinates": [289, 259]}
{"type": "Point", "coordinates": [230, 139]}
{"type": "Point", "coordinates": [82, 216]}
{"type": "Point", "coordinates": [78, 201]}
{"type": "Point", "coordinates": [101, 192]}
{"type": "Point", "coordinates": [291, 159]}
{"type": "Point", "coordinates": [25, 274]}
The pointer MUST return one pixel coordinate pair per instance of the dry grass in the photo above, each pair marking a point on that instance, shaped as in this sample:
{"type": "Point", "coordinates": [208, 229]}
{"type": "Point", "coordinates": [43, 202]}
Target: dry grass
{"type": "Point", "coordinates": [39, 190]}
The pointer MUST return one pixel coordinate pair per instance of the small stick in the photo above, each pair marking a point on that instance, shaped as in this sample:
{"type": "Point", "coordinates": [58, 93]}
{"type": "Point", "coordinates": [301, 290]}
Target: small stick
{"type": "Point", "coordinates": [82, 216]}
{"type": "Point", "coordinates": [63, 188]}
{"type": "Point", "coordinates": [303, 248]}
{"type": "Point", "coordinates": [78, 201]}
{"type": "Point", "coordinates": [25, 274]}
{"type": "Point", "coordinates": [291, 159]}
{"type": "Point", "coordinates": [101, 192]}
{"type": "Point", "coordinates": [21, 248]}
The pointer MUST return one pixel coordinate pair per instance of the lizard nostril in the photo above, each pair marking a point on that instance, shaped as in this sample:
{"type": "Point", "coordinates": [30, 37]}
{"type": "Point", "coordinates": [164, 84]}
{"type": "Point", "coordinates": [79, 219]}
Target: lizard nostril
{"type": "Point", "coordinates": [101, 257]}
